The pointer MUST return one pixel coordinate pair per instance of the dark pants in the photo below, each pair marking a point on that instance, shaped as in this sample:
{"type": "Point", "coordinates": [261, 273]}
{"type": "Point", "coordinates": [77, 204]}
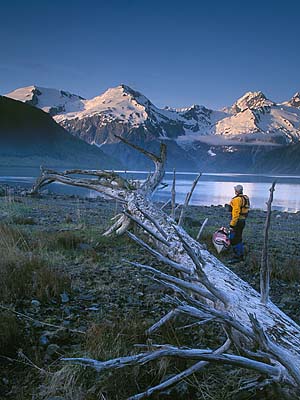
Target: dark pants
{"type": "Point", "coordinates": [236, 238]}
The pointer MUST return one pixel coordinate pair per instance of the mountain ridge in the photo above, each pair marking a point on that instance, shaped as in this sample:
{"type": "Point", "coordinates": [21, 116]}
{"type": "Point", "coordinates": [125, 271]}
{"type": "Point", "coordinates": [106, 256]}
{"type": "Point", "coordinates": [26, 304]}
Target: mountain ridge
{"type": "Point", "coordinates": [252, 117]}
{"type": "Point", "coordinates": [198, 137]}
{"type": "Point", "coordinates": [28, 135]}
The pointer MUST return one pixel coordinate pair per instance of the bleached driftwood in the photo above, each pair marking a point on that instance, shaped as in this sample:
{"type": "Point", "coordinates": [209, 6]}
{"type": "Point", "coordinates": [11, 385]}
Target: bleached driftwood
{"type": "Point", "coordinates": [265, 266]}
{"type": "Point", "coordinates": [173, 195]}
{"type": "Point", "coordinates": [262, 337]}
{"type": "Point", "coordinates": [201, 228]}
{"type": "Point", "coordinates": [187, 200]}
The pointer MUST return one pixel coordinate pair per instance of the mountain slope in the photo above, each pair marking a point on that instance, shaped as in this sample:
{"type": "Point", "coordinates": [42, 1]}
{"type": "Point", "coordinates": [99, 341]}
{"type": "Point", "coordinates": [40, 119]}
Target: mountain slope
{"type": "Point", "coordinates": [122, 110]}
{"type": "Point", "coordinates": [284, 160]}
{"type": "Point", "coordinates": [197, 136]}
{"type": "Point", "coordinates": [29, 135]}
{"type": "Point", "coordinates": [255, 118]}
{"type": "Point", "coordinates": [52, 101]}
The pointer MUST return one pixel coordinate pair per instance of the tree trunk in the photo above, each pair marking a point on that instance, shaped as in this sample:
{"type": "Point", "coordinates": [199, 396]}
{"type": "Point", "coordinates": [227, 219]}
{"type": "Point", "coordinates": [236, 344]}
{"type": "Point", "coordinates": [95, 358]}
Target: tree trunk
{"type": "Point", "coordinates": [206, 289]}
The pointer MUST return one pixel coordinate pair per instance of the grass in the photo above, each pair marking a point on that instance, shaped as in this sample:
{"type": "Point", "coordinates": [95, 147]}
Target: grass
{"type": "Point", "coordinates": [22, 220]}
{"type": "Point", "coordinates": [38, 255]}
{"type": "Point", "coordinates": [25, 275]}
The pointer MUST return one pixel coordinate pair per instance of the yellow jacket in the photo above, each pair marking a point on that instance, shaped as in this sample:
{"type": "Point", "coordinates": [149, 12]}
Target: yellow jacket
{"type": "Point", "coordinates": [239, 211]}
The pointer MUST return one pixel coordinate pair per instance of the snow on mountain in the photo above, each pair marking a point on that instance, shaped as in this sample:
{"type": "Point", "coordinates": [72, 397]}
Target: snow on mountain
{"type": "Point", "coordinates": [294, 101]}
{"type": "Point", "coordinates": [122, 110]}
{"type": "Point", "coordinates": [249, 100]}
{"type": "Point", "coordinates": [49, 100]}
{"type": "Point", "coordinates": [126, 112]}
{"type": "Point", "coordinates": [265, 123]}
{"type": "Point", "coordinates": [255, 118]}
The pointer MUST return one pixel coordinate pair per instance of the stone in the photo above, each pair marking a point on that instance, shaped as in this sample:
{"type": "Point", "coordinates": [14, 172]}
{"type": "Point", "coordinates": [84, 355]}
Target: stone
{"type": "Point", "coordinates": [64, 297]}
{"type": "Point", "coordinates": [44, 340]}
{"type": "Point", "coordinates": [85, 246]}
{"type": "Point", "coordinates": [2, 191]}
{"type": "Point", "coordinates": [35, 303]}
{"type": "Point", "coordinates": [52, 349]}
{"type": "Point", "coordinates": [87, 297]}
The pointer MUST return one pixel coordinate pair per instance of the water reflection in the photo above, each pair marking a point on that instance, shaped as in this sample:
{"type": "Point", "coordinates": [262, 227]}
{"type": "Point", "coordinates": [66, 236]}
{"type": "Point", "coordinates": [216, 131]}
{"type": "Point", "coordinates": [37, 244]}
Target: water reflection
{"type": "Point", "coordinates": [212, 188]}
{"type": "Point", "coordinates": [286, 196]}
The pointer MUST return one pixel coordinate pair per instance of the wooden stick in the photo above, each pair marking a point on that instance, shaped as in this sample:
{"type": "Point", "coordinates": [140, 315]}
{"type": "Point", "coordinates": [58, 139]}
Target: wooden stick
{"type": "Point", "coordinates": [265, 266]}
{"type": "Point", "coordinates": [187, 199]}
{"type": "Point", "coordinates": [165, 205]}
{"type": "Point", "coordinates": [173, 195]}
{"type": "Point", "coordinates": [201, 228]}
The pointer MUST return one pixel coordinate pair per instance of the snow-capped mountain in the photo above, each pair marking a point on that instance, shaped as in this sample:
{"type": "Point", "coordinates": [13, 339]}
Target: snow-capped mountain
{"type": "Point", "coordinates": [250, 100]}
{"type": "Point", "coordinates": [126, 112]}
{"type": "Point", "coordinates": [49, 100]}
{"type": "Point", "coordinates": [255, 118]}
{"type": "Point", "coordinates": [294, 101]}
{"type": "Point", "coordinates": [195, 134]}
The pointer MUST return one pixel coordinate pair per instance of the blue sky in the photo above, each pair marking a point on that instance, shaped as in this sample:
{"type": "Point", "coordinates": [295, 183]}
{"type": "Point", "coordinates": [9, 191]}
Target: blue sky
{"type": "Point", "coordinates": [177, 53]}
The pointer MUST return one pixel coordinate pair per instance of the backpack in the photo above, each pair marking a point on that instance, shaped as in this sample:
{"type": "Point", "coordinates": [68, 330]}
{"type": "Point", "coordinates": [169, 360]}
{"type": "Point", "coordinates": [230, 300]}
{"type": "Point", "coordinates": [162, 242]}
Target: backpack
{"type": "Point", "coordinates": [245, 207]}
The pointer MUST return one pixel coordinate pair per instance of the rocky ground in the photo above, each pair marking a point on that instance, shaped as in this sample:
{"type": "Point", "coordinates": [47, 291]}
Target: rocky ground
{"type": "Point", "coordinates": [73, 294]}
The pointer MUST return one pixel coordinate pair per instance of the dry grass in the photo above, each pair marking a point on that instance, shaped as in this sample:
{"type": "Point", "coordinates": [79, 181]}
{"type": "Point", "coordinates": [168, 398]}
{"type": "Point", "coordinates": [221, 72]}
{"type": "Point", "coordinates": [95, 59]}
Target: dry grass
{"type": "Point", "coordinates": [59, 240]}
{"type": "Point", "coordinates": [24, 274]}
{"type": "Point", "coordinates": [287, 271]}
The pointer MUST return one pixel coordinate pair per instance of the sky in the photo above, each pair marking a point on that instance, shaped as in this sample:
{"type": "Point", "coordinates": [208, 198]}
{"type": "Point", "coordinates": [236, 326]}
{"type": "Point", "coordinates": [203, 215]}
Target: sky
{"type": "Point", "coordinates": [177, 53]}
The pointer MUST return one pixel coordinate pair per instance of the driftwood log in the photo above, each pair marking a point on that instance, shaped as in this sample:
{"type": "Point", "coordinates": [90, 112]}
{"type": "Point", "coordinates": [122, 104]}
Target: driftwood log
{"type": "Point", "coordinates": [261, 337]}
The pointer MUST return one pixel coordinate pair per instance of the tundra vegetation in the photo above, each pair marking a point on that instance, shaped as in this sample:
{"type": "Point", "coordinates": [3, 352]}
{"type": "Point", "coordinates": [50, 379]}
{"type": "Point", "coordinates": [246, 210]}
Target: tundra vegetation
{"type": "Point", "coordinates": [151, 313]}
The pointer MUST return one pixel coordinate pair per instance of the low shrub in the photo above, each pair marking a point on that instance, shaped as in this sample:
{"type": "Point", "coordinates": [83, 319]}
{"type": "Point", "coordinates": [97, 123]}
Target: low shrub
{"type": "Point", "coordinates": [60, 240]}
{"type": "Point", "coordinates": [20, 220]}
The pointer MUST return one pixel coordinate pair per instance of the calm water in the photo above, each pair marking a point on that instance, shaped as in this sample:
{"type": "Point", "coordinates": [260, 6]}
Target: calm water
{"type": "Point", "coordinates": [211, 189]}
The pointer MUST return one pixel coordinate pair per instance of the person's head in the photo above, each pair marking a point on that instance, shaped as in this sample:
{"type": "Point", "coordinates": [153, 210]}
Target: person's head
{"type": "Point", "coordinates": [238, 189]}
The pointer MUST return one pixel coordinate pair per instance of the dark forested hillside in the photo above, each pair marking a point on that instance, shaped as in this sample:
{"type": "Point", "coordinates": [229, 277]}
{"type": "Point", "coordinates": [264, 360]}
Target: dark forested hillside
{"type": "Point", "coordinates": [29, 136]}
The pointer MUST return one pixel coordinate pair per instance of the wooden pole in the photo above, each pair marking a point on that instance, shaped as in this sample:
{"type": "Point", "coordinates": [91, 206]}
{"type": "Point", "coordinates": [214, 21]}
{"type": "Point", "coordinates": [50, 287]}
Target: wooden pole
{"type": "Point", "coordinates": [265, 266]}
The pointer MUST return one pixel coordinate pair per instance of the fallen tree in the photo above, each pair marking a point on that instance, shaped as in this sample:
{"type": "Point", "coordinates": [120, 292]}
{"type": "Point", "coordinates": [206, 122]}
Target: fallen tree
{"type": "Point", "coordinates": [260, 336]}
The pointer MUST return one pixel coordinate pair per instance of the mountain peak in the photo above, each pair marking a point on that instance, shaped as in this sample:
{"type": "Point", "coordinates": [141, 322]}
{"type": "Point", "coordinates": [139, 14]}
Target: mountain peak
{"type": "Point", "coordinates": [251, 100]}
{"type": "Point", "coordinates": [128, 90]}
{"type": "Point", "coordinates": [53, 101]}
{"type": "Point", "coordinates": [295, 100]}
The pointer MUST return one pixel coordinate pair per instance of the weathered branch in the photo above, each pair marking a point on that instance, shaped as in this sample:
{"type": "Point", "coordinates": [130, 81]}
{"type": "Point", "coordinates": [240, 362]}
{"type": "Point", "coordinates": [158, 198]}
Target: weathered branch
{"type": "Point", "coordinates": [165, 205]}
{"type": "Point", "coordinates": [173, 195]}
{"type": "Point", "coordinates": [265, 266]}
{"type": "Point", "coordinates": [154, 222]}
{"type": "Point", "coordinates": [187, 200]}
{"type": "Point", "coordinates": [191, 354]}
{"type": "Point", "coordinates": [202, 276]}
{"type": "Point", "coordinates": [179, 377]}
{"type": "Point", "coordinates": [159, 256]}
{"type": "Point", "coordinates": [201, 228]}
{"type": "Point", "coordinates": [180, 282]}
{"type": "Point", "coordinates": [147, 229]}
{"type": "Point", "coordinates": [166, 318]}
{"type": "Point", "coordinates": [119, 227]}
{"type": "Point", "coordinates": [156, 177]}
{"type": "Point", "coordinates": [113, 188]}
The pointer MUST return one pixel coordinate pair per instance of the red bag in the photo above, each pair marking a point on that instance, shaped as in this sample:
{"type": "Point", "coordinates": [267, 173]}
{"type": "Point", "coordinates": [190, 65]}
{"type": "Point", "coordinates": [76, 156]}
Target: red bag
{"type": "Point", "coordinates": [221, 239]}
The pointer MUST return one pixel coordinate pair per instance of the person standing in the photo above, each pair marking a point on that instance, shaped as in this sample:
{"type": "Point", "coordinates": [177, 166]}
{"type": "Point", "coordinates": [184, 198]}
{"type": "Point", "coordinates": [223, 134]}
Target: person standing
{"type": "Point", "coordinates": [239, 207]}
